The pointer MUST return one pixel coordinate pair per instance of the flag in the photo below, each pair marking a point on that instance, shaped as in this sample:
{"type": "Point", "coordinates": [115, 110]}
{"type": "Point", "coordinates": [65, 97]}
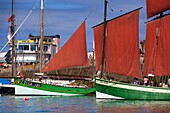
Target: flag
{"type": "Point", "coordinates": [10, 19]}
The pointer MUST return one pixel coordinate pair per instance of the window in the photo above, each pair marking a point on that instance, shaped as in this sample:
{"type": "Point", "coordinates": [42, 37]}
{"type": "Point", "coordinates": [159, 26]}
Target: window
{"type": "Point", "coordinates": [45, 48]}
{"type": "Point", "coordinates": [23, 47]}
{"type": "Point", "coordinates": [33, 47]}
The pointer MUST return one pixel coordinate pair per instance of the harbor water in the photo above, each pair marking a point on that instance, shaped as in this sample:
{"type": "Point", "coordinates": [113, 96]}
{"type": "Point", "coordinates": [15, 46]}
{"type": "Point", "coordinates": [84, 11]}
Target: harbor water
{"type": "Point", "coordinates": [78, 104]}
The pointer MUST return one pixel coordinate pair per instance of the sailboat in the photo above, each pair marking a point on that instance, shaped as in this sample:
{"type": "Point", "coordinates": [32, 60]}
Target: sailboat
{"type": "Point", "coordinates": [64, 58]}
{"type": "Point", "coordinates": [72, 54]}
{"type": "Point", "coordinates": [119, 54]}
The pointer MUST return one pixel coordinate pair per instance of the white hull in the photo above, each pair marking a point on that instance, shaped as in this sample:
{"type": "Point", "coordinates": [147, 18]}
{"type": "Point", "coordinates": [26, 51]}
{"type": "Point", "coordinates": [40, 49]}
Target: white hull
{"type": "Point", "coordinates": [100, 95]}
{"type": "Point", "coordinates": [7, 85]}
{"type": "Point", "coordinates": [21, 91]}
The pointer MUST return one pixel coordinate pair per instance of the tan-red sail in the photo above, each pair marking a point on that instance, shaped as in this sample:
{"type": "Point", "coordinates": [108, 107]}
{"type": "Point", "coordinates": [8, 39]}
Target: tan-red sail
{"type": "Point", "coordinates": [157, 56]}
{"type": "Point", "coordinates": [122, 45]}
{"type": "Point", "coordinates": [98, 37]}
{"type": "Point", "coordinates": [73, 53]}
{"type": "Point", "coordinates": [155, 7]}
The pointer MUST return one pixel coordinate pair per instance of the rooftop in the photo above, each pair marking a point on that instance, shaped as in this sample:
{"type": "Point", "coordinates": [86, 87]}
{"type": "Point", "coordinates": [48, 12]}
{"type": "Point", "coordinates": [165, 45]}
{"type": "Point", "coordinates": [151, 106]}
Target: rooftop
{"type": "Point", "coordinates": [35, 37]}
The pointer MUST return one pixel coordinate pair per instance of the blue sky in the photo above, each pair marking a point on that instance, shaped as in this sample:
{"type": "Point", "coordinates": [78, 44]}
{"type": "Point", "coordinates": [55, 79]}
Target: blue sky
{"type": "Point", "coordinates": [63, 17]}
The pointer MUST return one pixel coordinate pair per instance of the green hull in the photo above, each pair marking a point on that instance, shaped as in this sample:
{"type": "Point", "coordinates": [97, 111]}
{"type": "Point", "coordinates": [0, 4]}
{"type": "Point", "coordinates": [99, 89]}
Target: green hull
{"type": "Point", "coordinates": [130, 91]}
{"type": "Point", "coordinates": [30, 88]}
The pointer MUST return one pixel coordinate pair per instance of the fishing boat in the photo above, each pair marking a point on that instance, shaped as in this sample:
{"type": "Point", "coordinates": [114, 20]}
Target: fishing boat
{"type": "Point", "coordinates": [117, 52]}
{"type": "Point", "coordinates": [72, 54]}
{"type": "Point", "coordinates": [63, 59]}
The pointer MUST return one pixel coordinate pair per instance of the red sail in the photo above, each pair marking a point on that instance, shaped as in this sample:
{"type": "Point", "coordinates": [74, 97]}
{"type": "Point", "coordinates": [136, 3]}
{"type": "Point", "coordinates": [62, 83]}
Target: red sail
{"type": "Point", "coordinates": [73, 53]}
{"type": "Point", "coordinates": [157, 56]}
{"type": "Point", "coordinates": [155, 7]}
{"type": "Point", "coordinates": [98, 36]}
{"type": "Point", "coordinates": [122, 45]}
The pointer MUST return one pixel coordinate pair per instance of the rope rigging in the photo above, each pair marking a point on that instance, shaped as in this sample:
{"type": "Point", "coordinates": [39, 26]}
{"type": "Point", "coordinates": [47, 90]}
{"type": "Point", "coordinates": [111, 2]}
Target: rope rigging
{"type": "Point", "coordinates": [92, 10]}
{"type": "Point", "coordinates": [17, 29]}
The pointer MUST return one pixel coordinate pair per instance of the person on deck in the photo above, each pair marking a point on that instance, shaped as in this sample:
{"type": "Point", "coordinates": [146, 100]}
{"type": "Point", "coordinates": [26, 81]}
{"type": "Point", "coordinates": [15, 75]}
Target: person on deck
{"type": "Point", "coordinates": [169, 82]}
{"type": "Point", "coordinates": [135, 81]}
{"type": "Point", "coordinates": [146, 81]}
{"type": "Point", "coordinates": [99, 72]}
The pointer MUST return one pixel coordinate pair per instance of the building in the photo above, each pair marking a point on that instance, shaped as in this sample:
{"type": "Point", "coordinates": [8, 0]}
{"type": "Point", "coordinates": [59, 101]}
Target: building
{"type": "Point", "coordinates": [2, 60]}
{"type": "Point", "coordinates": [28, 51]}
{"type": "Point", "coordinates": [2, 57]}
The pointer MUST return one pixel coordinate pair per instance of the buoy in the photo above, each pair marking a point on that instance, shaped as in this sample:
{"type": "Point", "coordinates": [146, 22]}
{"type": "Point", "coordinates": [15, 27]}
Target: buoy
{"type": "Point", "coordinates": [26, 98]}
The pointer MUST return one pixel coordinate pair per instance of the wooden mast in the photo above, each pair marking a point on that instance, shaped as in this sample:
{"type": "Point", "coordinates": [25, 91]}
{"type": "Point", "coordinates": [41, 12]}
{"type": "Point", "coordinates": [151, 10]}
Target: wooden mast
{"type": "Point", "coordinates": [104, 39]}
{"type": "Point", "coordinates": [12, 28]}
{"type": "Point", "coordinates": [41, 33]}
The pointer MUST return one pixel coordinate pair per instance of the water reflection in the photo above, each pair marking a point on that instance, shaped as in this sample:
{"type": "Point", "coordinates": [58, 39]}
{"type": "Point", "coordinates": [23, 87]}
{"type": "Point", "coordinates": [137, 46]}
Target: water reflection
{"type": "Point", "coordinates": [78, 104]}
{"type": "Point", "coordinates": [133, 106]}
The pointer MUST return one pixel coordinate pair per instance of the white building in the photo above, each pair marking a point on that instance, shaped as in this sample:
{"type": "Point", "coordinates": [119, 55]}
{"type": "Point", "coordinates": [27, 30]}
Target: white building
{"type": "Point", "coordinates": [28, 50]}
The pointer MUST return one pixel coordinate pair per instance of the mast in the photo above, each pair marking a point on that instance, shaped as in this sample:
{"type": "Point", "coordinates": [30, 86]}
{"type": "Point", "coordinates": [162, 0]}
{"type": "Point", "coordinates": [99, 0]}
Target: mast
{"type": "Point", "coordinates": [12, 27]}
{"type": "Point", "coordinates": [41, 33]}
{"type": "Point", "coordinates": [104, 39]}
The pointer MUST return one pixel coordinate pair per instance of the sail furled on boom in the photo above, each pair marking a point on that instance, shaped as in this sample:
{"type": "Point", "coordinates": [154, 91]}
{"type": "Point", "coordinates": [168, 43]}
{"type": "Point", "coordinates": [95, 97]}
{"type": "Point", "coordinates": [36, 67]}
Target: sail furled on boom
{"type": "Point", "coordinates": [157, 53]}
{"type": "Point", "coordinates": [122, 45]}
{"type": "Point", "coordinates": [73, 53]}
{"type": "Point", "coordinates": [155, 7]}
